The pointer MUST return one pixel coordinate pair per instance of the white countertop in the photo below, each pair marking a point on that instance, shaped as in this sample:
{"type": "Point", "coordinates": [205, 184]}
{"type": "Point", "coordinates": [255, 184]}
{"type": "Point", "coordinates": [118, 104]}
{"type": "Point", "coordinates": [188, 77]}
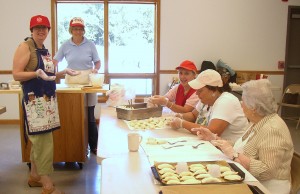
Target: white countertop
{"type": "Point", "coordinates": [65, 88]}
{"type": "Point", "coordinates": [130, 172]}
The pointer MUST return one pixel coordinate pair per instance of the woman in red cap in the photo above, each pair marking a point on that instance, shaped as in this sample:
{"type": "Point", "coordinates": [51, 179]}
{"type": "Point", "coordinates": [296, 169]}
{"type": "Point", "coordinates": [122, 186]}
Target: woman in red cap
{"type": "Point", "coordinates": [81, 55]}
{"type": "Point", "coordinates": [32, 65]}
{"type": "Point", "coordinates": [181, 98]}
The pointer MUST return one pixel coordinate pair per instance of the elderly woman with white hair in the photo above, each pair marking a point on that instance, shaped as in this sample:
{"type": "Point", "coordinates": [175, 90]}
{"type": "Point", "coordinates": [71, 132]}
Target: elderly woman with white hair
{"type": "Point", "coordinates": [266, 148]}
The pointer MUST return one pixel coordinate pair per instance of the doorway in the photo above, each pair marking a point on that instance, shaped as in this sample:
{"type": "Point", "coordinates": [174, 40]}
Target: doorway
{"type": "Point", "coordinates": [292, 54]}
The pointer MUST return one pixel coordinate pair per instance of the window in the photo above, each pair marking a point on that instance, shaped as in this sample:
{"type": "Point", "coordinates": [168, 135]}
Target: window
{"type": "Point", "coordinates": [125, 34]}
{"type": "Point", "coordinates": [93, 16]}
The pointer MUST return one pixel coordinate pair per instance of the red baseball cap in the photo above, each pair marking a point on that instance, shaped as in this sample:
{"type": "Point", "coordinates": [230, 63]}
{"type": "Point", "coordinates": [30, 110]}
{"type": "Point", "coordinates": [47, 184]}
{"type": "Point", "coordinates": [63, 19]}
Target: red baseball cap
{"type": "Point", "coordinates": [189, 65]}
{"type": "Point", "coordinates": [39, 20]}
{"type": "Point", "coordinates": [77, 21]}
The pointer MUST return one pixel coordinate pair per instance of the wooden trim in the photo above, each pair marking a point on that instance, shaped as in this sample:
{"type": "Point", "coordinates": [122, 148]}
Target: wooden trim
{"type": "Point", "coordinates": [157, 47]}
{"type": "Point", "coordinates": [150, 75]}
{"type": "Point", "coordinates": [109, 1]}
{"type": "Point", "coordinates": [237, 71]}
{"type": "Point", "coordinates": [154, 76]}
{"type": "Point", "coordinates": [4, 72]}
{"type": "Point", "coordinates": [261, 72]}
{"type": "Point", "coordinates": [53, 27]}
{"type": "Point", "coordinates": [9, 122]}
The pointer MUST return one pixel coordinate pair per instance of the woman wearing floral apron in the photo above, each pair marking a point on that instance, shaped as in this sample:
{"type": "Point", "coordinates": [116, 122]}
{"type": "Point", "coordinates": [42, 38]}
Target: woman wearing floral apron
{"type": "Point", "coordinates": [33, 67]}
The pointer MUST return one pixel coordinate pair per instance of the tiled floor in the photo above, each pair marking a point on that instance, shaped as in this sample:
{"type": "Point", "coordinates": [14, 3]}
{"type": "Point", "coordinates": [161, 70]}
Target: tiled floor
{"type": "Point", "coordinates": [67, 177]}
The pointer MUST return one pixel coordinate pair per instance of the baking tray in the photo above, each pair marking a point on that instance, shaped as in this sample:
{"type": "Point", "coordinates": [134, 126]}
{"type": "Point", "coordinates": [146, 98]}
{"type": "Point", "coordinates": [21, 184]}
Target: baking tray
{"type": "Point", "coordinates": [223, 163]}
{"type": "Point", "coordinates": [205, 189]}
{"type": "Point", "coordinates": [255, 189]}
{"type": "Point", "coordinates": [139, 111]}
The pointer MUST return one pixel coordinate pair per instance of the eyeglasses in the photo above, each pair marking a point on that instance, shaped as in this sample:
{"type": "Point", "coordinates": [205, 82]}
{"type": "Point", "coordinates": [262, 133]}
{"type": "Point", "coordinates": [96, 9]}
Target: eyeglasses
{"type": "Point", "coordinates": [40, 27]}
{"type": "Point", "coordinates": [78, 29]}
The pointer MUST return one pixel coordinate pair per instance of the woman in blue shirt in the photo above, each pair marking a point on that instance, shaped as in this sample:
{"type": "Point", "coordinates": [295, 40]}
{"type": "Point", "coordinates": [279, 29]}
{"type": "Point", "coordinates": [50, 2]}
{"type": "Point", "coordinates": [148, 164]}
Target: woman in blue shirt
{"type": "Point", "coordinates": [81, 54]}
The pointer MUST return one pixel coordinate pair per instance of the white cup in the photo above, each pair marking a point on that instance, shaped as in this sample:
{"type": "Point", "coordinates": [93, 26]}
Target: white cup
{"type": "Point", "coordinates": [134, 140]}
{"type": "Point", "coordinates": [96, 79]}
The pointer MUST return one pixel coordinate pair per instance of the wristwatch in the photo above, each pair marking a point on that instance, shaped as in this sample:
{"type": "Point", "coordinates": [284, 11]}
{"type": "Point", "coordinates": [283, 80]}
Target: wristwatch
{"type": "Point", "coordinates": [235, 155]}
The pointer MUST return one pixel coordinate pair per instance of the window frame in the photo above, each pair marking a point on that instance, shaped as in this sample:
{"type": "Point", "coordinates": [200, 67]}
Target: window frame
{"type": "Point", "coordinates": [104, 62]}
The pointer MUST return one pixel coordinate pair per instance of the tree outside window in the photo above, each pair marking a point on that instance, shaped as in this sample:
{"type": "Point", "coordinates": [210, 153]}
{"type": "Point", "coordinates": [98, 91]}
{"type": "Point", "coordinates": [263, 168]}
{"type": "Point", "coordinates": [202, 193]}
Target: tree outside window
{"type": "Point", "coordinates": [131, 39]}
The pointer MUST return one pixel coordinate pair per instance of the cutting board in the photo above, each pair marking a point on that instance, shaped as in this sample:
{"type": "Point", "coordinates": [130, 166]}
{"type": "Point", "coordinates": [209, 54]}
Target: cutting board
{"type": "Point", "coordinates": [209, 188]}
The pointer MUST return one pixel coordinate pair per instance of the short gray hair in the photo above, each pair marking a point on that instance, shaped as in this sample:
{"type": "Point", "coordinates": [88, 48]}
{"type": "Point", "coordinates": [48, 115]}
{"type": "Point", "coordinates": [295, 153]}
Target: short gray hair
{"type": "Point", "coordinates": [257, 95]}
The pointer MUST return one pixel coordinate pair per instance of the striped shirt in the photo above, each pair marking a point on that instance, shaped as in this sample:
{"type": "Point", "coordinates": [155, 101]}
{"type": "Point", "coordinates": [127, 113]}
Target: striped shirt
{"type": "Point", "coordinates": [270, 149]}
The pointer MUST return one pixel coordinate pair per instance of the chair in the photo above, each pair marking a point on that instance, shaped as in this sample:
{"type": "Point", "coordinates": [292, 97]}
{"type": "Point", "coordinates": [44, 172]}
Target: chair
{"type": "Point", "coordinates": [295, 172]}
{"type": "Point", "coordinates": [290, 98]}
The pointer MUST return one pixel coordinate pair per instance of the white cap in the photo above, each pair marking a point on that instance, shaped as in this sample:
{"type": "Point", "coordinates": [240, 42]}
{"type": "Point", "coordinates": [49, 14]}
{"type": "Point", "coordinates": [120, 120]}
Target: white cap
{"type": "Point", "coordinates": [208, 77]}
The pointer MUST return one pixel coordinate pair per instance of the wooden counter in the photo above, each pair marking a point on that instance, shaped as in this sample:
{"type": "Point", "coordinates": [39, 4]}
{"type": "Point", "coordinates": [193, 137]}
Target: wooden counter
{"type": "Point", "coordinates": [71, 140]}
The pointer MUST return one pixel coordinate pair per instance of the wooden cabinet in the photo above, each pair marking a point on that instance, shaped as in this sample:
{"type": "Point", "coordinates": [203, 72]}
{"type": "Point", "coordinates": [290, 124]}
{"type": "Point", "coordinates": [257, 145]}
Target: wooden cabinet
{"type": "Point", "coordinates": [70, 141]}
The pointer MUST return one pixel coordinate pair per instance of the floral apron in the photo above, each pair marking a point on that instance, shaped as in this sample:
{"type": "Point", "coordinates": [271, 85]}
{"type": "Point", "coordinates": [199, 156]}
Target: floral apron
{"type": "Point", "coordinates": [39, 100]}
{"type": "Point", "coordinates": [201, 118]}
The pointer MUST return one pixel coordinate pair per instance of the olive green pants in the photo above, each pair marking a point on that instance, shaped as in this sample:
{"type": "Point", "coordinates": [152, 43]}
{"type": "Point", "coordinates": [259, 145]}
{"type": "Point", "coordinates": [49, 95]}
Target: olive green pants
{"type": "Point", "coordinates": [42, 152]}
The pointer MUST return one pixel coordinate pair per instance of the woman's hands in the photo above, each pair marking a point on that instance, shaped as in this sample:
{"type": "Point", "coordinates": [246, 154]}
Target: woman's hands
{"type": "Point", "coordinates": [225, 146]}
{"type": "Point", "coordinates": [176, 123]}
{"type": "Point", "coordinates": [204, 134]}
{"type": "Point", "coordinates": [95, 70]}
{"type": "Point", "coordinates": [40, 73]}
{"type": "Point", "coordinates": [179, 115]}
{"type": "Point", "coordinates": [161, 100]}
{"type": "Point", "coordinates": [71, 72]}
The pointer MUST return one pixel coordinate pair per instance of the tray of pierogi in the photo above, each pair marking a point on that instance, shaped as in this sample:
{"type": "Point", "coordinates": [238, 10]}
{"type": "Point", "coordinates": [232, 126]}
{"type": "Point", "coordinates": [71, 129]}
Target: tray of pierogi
{"type": "Point", "coordinates": [138, 111]}
{"type": "Point", "coordinates": [150, 123]}
{"type": "Point", "coordinates": [197, 172]}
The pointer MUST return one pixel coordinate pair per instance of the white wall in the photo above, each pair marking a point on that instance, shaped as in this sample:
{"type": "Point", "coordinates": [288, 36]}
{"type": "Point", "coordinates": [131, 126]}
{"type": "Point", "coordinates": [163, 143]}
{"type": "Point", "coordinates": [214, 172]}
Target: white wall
{"type": "Point", "coordinates": [14, 28]}
{"type": "Point", "coordinates": [248, 35]}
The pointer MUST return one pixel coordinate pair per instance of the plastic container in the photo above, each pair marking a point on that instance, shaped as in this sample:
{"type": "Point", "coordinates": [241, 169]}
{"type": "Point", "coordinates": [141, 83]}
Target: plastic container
{"type": "Point", "coordinates": [96, 79]}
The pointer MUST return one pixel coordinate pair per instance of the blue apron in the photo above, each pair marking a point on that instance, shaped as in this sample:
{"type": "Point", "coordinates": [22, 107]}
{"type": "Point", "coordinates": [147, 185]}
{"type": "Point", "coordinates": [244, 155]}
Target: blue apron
{"type": "Point", "coordinates": [39, 100]}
